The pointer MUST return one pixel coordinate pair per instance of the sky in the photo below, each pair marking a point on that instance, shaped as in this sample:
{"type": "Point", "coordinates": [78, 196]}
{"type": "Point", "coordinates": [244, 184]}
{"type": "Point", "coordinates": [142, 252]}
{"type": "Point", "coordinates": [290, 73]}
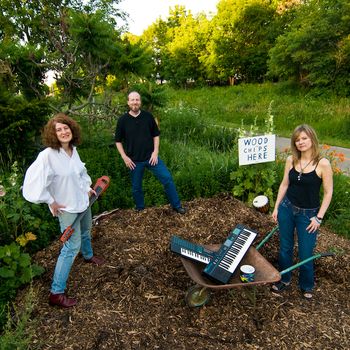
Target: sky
{"type": "Point", "coordinates": [145, 12]}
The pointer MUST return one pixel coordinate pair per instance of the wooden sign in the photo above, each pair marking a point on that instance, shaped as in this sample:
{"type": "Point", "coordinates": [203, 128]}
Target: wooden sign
{"type": "Point", "coordinates": [257, 149]}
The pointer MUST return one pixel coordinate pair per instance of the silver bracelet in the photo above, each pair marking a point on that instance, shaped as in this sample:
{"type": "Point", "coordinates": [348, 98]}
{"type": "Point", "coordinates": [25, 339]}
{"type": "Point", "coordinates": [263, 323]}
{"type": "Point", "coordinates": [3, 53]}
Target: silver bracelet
{"type": "Point", "coordinates": [319, 221]}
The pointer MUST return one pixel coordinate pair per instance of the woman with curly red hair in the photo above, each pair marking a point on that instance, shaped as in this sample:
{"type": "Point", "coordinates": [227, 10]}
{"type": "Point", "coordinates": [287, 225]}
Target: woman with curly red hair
{"type": "Point", "coordinates": [59, 178]}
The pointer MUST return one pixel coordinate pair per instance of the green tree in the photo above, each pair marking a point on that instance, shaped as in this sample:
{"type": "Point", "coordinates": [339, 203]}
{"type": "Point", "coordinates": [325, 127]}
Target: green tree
{"type": "Point", "coordinates": [244, 32]}
{"type": "Point", "coordinates": [79, 42]}
{"type": "Point", "coordinates": [156, 36]}
{"type": "Point", "coordinates": [183, 65]}
{"type": "Point", "coordinates": [75, 40]}
{"type": "Point", "coordinates": [315, 51]}
{"type": "Point", "coordinates": [179, 47]}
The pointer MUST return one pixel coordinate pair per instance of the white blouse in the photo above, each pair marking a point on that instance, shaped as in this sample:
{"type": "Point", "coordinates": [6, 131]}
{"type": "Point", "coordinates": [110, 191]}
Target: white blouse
{"type": "Point", "coordinates": [55, 176]}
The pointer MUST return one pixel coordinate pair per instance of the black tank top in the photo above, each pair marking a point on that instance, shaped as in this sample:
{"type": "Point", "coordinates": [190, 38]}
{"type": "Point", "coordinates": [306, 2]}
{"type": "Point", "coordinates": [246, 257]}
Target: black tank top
{"type": "Point", "coordinates": [304, 193]}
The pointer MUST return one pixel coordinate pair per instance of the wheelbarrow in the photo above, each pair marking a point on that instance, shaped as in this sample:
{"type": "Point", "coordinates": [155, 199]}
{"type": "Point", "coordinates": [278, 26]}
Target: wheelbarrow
{"type": "Point", "coordinates": [265, 273]}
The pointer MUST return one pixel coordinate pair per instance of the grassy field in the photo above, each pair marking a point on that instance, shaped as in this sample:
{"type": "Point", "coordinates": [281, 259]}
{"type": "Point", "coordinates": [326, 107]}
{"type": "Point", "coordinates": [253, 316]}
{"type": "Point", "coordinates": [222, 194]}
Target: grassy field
{"type": "Point", "coordinates": [229, 106]}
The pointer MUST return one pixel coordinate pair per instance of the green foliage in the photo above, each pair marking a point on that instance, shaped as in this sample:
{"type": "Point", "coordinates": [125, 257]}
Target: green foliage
{"type": "Point", "coordinates": [16, 324]}
{"type": "Point", "coordinates": [256, 179]}
{"type": "Point", "coordinates": [338, 213]}
{"type": "Point", "coordinates": [188, 123]}
{"type": "Point", "coordinates": [17, 216]}
{"type": "Point", "coordinates": [315, 49]}
{"type": "Point", "coordinates": [15, 270]}
{"type": "Point", "coordinates": [197, 170]}
{"type": "Point", "coordinates": [135, 61]}
{"type": "Point", "coordinates": [253, 180]}
{"type": "Point", "coordinates": [228, 106]}
{"type": "Point", "coordinates": [244, 33]}
{"type": "Point", "coordinates": [20, 125]}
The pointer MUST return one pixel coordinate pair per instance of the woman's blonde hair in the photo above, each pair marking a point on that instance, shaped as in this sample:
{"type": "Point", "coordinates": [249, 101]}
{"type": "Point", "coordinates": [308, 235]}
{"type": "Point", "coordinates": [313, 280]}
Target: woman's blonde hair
{"type": "Point", "coordinates": [49, 136]}
{"type": "Point", "coordinates": [310, 132]}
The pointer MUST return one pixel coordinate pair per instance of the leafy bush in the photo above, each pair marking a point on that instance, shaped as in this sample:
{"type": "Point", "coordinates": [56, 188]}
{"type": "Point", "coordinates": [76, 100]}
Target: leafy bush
{"type": "Point", "coordinates": [253, 180]}
{"type": "Point", "coordinates": [338, 213]}
{"type": "Point", "coordinates": [17, 216]}
{"type": "Point", "coordinates": [20, 125]}
{"type": "Point", "coordinates": [16, 270]}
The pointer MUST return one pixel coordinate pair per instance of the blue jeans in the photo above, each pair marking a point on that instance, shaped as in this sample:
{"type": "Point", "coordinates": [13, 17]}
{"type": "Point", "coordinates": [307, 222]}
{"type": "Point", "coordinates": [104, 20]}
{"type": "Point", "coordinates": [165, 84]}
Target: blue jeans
{"type": "Point", "coordinates": [290, 218]}
{"type": "Point", "coordinates": [162, 173]}
{"type": "Point", "coordinates": [80, 240]}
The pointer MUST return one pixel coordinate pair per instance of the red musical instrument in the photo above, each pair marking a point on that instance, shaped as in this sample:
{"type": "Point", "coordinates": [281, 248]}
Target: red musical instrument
{"type": "Point", "coordinates": [101, 185]}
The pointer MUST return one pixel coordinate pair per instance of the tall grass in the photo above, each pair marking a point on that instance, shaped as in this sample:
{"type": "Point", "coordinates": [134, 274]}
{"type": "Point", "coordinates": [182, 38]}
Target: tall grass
{"type": "Point", "coordinates": [228, 106]}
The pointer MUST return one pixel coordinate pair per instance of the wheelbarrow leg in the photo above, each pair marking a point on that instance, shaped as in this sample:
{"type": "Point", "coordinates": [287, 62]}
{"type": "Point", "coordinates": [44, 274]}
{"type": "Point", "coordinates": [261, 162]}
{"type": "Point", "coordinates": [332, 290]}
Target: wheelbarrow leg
{"type": "Point", "coordinates": [197, 296]}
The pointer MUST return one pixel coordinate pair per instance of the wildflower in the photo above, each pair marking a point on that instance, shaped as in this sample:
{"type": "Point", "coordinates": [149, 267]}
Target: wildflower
{"type": "Point", "coordinates": [326, 147]}
{"type": "Point", "coordinates": [340, 156]}
{"type": "Point", "coordinates": [22, 240]}
{"type": "Point", "coordinates": [2, 191]}
{"type": "Point", "coordinates": [30, 236]}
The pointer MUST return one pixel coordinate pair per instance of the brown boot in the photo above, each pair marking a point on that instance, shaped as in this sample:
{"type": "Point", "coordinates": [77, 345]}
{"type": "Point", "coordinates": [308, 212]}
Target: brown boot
{"type": "Point", "coordinates": [61, 300]}
{"type": "Point", "coordinates": [95, 260]}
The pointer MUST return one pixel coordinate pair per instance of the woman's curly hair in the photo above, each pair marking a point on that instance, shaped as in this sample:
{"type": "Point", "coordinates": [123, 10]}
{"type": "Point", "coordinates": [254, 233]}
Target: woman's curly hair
{"type": "Point", "coordinates": [49, 136]}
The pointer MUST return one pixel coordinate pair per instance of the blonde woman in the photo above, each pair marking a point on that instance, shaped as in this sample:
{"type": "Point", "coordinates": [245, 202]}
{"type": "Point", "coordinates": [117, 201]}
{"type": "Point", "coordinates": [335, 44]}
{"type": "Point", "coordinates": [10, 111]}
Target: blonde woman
{"type": "Point", "coordinates": [298, 205]}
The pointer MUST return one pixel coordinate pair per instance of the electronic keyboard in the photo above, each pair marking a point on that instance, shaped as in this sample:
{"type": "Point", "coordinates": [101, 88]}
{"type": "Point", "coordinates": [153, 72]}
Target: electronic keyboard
{"type": "Point", "coordinates": [190, 250]}
{"type": "Point", "coordinates": [226, 260]}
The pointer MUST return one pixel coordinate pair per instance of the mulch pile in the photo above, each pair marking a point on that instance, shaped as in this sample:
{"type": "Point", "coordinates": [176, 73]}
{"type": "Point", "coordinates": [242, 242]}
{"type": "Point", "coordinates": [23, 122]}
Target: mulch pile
{"type": "Point", "coordinates": [137, 299]}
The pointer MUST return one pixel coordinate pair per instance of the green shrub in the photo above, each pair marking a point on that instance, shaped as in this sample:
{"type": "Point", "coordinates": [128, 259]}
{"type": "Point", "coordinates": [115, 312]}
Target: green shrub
{"type": "Point", "coordinates": [20, 125]}
{"type": "Point", "coordinates": [15, 270]}
{"type": "Point", "coordinates": [338, 213]}
{"type": "Point", "coordinates": [17, 216]}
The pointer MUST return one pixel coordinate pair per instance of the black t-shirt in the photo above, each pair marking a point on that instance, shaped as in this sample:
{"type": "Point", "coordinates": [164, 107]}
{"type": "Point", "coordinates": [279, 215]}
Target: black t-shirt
{"type": "Point", "coordinates": [136, 134]}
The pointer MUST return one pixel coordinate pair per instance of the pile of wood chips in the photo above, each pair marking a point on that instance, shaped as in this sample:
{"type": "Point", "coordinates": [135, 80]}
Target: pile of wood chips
{"type": "Point", "coordinates": [136, 300]}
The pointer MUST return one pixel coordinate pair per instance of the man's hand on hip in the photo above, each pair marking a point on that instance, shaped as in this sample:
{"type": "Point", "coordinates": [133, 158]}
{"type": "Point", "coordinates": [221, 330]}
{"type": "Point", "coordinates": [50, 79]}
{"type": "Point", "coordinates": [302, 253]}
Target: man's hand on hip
{"type": "Point", "coordinates": [154, 158]}
{"type": "Point", "coordinates": [129, 163]}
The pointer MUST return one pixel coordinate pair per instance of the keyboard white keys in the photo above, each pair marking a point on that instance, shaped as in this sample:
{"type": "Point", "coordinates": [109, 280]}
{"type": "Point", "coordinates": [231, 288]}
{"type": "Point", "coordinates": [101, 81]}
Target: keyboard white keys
{"type": "Point", "coordinates": [237, 251]}
{"type": "Point", "coordinates": [194, 256]}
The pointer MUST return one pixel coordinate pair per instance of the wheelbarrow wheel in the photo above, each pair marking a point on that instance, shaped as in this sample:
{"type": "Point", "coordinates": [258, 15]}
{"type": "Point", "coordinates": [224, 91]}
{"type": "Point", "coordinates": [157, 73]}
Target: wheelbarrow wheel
{"type": "Point", "coordinates": [197, 296]}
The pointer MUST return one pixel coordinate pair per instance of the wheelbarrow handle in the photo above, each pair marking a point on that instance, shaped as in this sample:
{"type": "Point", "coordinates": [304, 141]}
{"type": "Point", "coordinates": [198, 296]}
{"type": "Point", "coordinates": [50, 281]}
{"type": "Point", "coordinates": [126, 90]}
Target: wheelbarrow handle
{"type": "Point", "coordinates": [316, 256]}
{"type": "Point", "coordinates": [327, 254]}
{"type": "Point", "coordinates": [266, 238]}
